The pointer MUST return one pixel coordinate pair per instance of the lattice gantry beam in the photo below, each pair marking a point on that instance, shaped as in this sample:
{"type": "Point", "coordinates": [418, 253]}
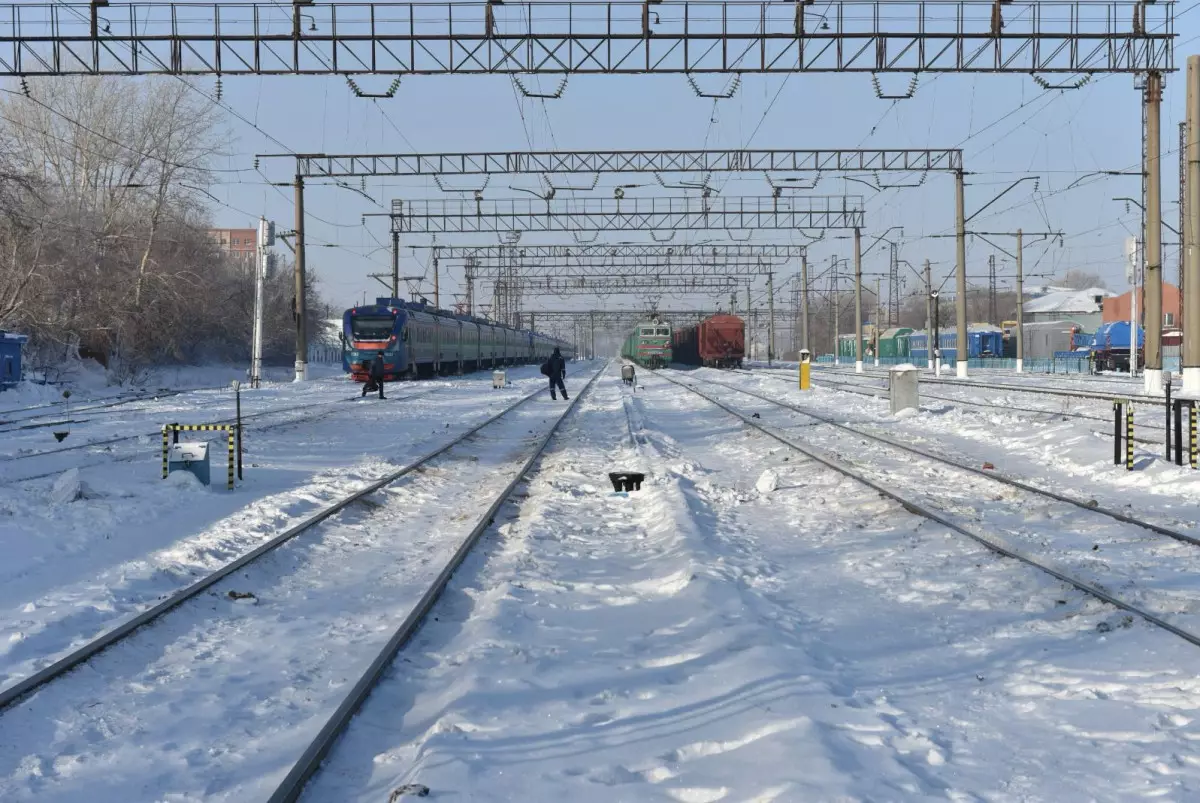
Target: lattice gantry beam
{"type": "Point", "coordinates": [492, 269]}
{"type": "Point", "coordinates": [638, 214]}
{"type": "Point", "coordinates": [646, 161]}
{"type": "Point", "coordinates": [878, 36]}
{"type": "Point", "coordinates": [592, 251]}
{"type": "Point", "coordinates": [622, 285]}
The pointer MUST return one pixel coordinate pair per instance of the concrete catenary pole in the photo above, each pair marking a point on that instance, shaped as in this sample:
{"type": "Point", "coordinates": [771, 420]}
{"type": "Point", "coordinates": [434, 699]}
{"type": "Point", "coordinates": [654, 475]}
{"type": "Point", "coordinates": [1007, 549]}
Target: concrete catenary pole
{"type": "Point", "coordinates": [804, 301]}
{"type": "Point", "coordinates": [1020, 302]}
{"type": "Point", "coordinates": [960, 274]}
{"type": "Point", "coordinates": [877, 319]}
{"type": "Point", "coordinates": [928, 316]}
{"type": "Point", "coordinates": [300, 310]}
{"type": "Point", "coordinates": [260, 276]}
{"type": "Point", "coordinates": [1153, 291]}
{"type": "Point", "coordinates": [837, 313]}
{"type": "Point", "coordinates": [1191, 281]}
{"type": "Point", "coordinates": [858, 320]}
{"type": "Point", "coordinates": [770, 317]}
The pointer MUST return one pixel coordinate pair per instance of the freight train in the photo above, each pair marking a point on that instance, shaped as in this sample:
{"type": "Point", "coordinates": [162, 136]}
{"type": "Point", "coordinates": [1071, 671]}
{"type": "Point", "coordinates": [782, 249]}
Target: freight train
{"type": "Point", "coordinates": [718, 341]}
{"type": "Point", "coordinates": [417, 340]}
{"type": "Point", "coordinates": [649, 344]}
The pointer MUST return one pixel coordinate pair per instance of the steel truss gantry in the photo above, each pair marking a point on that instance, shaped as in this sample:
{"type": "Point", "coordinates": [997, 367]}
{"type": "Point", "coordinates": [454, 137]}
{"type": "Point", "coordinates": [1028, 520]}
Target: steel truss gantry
{"type": "Point", "coordinates": [724, 252]}
{"type": "Point", "coordinates": [302, 38]}
{"type": "Point", "coordinates": [822, 160]}
{"type": "Point", "coordinates": [623, 284]}
{"type": "Point", "coordinates": [632, 214]}
{"type": "Point", "coordinates": [536, 269]}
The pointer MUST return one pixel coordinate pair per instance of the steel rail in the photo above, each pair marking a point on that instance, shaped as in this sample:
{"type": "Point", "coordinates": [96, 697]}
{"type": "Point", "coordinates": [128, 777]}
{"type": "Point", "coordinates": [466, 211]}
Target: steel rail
{"type": "Point", "coordinates": [111, 403]}
{"type": "Point", "coordinates": [991, 475]}
{"type": "Point", "coordinates": [850, 387]}
{"type": "Point", "coordinates": [247, 417]}
{"type": "Point", "coordinates": [1065, 392]}
{"type": "Point", "coordinates": [920, 510]}
{"type": "Point", "coordinates": [293, 784]}
{"type": "Point", "coordinates": [94, 647]}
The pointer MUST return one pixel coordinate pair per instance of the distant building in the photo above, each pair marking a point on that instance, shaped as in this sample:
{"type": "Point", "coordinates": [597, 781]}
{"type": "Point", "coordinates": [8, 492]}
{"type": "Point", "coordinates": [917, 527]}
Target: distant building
{"type": "Point", "coordinates": [240, 245]}
{"type": "Point", "coordinates": [1084, 307]}
{"type": "Point", "coordinates": [1117, 308]}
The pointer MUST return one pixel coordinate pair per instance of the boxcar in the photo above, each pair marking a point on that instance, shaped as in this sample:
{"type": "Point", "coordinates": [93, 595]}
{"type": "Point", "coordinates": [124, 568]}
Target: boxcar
{"type": "Point", "coordinates": [1044, 338]}
{"type": "Point", "coordinates": [718, 341]}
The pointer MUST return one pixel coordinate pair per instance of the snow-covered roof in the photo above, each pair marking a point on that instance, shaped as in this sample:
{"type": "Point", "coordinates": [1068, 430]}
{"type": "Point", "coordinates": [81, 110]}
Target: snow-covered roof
{"type": "Point", "coordinates": [1070, 301]}
{"type": "Point", "coordinates": [1039, 290]}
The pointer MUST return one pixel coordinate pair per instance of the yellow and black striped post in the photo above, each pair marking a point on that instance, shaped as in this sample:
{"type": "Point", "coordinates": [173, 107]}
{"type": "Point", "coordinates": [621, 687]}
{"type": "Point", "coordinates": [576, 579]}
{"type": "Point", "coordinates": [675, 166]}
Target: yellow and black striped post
{"type": "Point", "coordinates": [1129, 436]}
{"type": "Point", "coordinates": [230, 435]}
{"type": "Point", "coordinates": [1192, 456]}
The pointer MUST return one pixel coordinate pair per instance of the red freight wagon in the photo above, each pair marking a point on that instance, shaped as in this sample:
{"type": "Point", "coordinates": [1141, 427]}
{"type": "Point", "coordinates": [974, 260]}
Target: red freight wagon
{"type": "Point", "coordinates": [719, 341]}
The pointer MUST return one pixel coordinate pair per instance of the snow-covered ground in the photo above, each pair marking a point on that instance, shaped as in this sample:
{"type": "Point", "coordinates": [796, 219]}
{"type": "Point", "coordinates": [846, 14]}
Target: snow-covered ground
{"type": "Point", "coordinates": [76, 566]}
{"type": "Point", "coordinates": [720, 635]}
{"type": "Point", "coordinates": [703, 640]}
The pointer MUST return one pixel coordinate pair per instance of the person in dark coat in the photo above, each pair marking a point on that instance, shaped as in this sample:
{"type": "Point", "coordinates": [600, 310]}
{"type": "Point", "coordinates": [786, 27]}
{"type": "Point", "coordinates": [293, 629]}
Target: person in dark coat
{"type": "Point", "coordinates": [376, 375]}
{"type": "Point", "coordinates": [557, 371]}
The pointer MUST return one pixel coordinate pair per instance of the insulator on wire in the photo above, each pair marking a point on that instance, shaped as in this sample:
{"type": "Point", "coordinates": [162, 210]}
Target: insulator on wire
{"type": "Point", "coordinates": [730, 89]}
{"type": "Point", "coordinates": [1044, 84]}
{"type": "Point", "coordinates": [912, 88]}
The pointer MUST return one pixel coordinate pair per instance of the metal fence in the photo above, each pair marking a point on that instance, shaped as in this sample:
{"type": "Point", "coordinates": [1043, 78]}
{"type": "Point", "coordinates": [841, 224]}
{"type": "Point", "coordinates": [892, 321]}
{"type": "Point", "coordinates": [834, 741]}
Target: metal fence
{"type": "Point", "coordinates": [328, 355]}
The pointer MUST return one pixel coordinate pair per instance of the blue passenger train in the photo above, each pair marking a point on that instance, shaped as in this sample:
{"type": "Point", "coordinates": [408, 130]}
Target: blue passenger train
{"type": "Point", "coordinates": [982, 341]}
{"type": "Point", "coordinates": [418, 340]}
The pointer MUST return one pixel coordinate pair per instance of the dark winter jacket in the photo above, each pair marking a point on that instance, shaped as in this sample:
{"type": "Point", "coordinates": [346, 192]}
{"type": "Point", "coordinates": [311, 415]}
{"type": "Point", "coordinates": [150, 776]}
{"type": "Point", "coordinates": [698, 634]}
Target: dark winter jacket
{"type": "Point", "coordinates": [557, 366]}
{"type": "Point", "coordinates": [377, 368]}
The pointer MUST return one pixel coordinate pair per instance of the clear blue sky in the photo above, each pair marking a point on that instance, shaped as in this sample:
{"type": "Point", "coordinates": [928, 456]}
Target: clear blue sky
{"type": "Point", "coordinates": [1007, 125]}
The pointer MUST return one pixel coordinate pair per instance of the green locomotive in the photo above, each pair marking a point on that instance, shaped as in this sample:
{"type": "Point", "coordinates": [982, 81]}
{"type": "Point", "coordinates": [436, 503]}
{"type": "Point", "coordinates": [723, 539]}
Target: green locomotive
{"type": "Point", "coordinates": [649, 344]}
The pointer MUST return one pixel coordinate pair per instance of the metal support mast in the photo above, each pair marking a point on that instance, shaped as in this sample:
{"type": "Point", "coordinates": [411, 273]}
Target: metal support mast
{"type": "Point", "coordinates": [1020, 301]}
{"type": "Point", "coordinates": [804, 302]}
{"type": "Point", "coordinates": [929, 316]}
{"type": "Point", "coordinates": [770, 318]}
{"type": "Point", "coordinates": [1153, 291]}
{"type": "Point", "coordinates": [300, 308]}
{"type": "Point", "coordinates": [858, 320]}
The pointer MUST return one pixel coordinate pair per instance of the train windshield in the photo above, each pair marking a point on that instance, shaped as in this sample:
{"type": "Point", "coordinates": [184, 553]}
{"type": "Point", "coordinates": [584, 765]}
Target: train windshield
{"type": "Point", "coordinates": [366, 328]}
{"type": "Point", "coordinates": [662, 330]}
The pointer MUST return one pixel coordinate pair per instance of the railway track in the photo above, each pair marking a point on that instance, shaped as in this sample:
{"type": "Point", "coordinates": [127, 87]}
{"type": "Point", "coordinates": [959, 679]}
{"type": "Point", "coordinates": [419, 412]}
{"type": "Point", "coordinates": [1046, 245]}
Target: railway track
{"type": "Point", "coordinates": [1139, 398]}
{"type": "Point", "coordinates": [13, 416]}
{"type": "Point", "coordinates": [292, 786]}
{"type": "Point", "coordinates": [1096, 528]}
{"type": "Point", "coordinates": [881, 393]}
{"type": "Point", "coordinates": [428, 481]}
{"type": "Point", "coordinates": [313, 412]}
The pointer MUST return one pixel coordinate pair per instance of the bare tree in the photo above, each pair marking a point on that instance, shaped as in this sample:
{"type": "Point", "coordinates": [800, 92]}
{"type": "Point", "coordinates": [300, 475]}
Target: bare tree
{"type": "Point", "coordinates": [1079, 279]}
{"type": "Point", "coordinates": [103, 225]}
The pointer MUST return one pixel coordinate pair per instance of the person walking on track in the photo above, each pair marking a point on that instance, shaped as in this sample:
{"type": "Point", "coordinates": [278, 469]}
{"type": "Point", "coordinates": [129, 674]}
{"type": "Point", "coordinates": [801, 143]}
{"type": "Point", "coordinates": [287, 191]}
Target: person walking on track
{"type": "Point", "coordinates": [376, 376]}
{"type": "Point", "coordinates": [556, 369]}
